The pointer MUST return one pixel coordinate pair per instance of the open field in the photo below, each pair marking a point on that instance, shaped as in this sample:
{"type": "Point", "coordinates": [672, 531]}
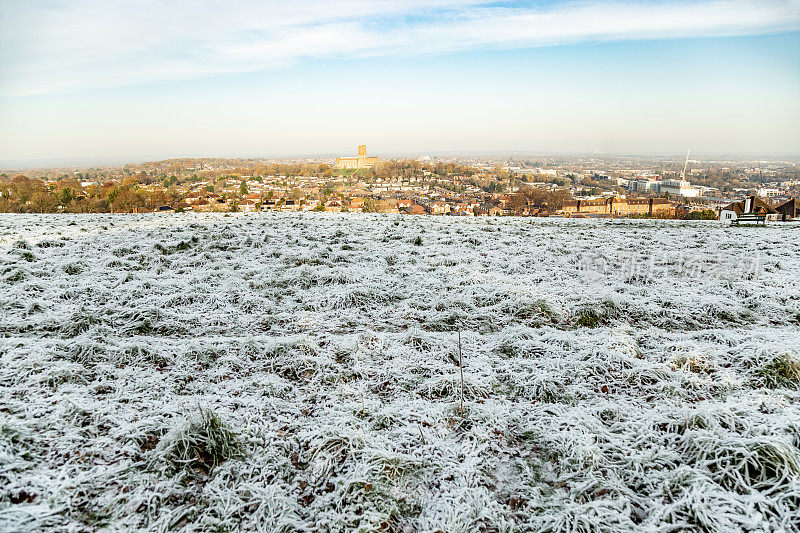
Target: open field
{"type": "Point", "coordinates": [301, 372]}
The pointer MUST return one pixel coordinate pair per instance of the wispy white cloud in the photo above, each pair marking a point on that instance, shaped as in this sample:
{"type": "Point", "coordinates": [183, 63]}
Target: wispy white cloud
{"type": "Point", "coordinates": [65, 44]}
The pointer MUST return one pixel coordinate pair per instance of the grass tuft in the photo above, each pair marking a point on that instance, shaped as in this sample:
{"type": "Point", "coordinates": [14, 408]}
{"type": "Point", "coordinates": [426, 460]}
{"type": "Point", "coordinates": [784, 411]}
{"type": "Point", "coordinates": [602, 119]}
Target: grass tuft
{"type": "Point", "coordinates": [202, 444]}
{"type": "Point", "coordinates": [782, 371]}
{"type": "Point", "coordinates": [595, 315]}
{"type": "Point", "coordinates": [72, 269]}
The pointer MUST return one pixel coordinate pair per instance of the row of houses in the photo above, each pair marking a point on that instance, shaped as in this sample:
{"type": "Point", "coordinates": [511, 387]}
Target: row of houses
{"type": "Point", "coordinates": [753, 205]}
{"type": "Point", "coordinates": [383, 205]}
{"type": "Point", "coordinates": [255, 203]}
{"type": "Point", "coordinates": [656, 207]}
{"type": "Point", "coordinates": [618, 207]}
{"type": "Point", "coordinates": [499, 206]}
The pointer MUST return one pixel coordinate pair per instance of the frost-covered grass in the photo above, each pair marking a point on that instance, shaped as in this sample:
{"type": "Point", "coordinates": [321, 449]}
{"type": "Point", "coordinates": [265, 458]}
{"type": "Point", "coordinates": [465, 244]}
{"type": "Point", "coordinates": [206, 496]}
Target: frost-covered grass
{"type": "Point", "coordinates": [300, 372]}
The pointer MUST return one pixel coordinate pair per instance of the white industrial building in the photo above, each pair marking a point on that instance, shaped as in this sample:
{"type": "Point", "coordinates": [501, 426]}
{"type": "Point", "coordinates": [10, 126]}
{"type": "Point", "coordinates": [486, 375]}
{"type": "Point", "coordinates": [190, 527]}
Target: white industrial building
{"type": "Point", "coordinates": [679, 188]}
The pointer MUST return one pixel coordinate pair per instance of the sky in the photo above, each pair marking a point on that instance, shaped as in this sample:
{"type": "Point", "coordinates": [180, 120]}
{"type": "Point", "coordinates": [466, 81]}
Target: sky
{"type": "Point", "coordinates": [147, 79]}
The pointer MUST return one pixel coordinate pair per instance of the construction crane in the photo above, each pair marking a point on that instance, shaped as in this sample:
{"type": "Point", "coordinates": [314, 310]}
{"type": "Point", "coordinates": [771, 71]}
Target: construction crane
{"type": "Point", "coordinates": [683, 174]}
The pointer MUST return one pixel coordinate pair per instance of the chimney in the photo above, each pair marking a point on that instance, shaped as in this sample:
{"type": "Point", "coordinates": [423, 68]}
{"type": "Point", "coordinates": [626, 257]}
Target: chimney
{"type": "Point", "coordinates": [748, 204]}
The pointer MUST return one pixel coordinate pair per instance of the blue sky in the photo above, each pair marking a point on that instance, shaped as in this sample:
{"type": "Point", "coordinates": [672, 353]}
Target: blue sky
{"type": "Point", "coordinates": [146, 79]}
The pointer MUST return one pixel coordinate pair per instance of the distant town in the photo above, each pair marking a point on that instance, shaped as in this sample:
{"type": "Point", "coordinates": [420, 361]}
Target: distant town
{"type": "Point", "coordinates": [593, 186]}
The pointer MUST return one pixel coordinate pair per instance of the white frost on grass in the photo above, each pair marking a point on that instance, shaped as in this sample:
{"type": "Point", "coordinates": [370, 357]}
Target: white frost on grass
{"type": "Point", "coordinates": [299, 372]}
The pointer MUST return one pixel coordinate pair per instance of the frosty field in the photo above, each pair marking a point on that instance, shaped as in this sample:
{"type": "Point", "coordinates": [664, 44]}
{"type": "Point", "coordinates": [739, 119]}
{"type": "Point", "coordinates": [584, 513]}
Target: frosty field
{"type": "Point", "coordinates": [300, 372]}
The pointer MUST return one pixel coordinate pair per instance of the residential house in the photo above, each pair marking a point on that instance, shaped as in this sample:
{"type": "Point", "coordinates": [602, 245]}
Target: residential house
{"type": "Point", "coordinates": [192, 199]}
{"type": "Point", "coordinates": [356, 205]}
{"type": "Point", "coordinates": [463, 209]}
{"type": "Point", "coordinates": [438, 208]}
{"type": "Point", "coordinates": [392, 206]}
{"type": "Point", "coordinates": [290, 205]}
{"type": "Point", "coordinates": [750, 205]}
{"type": "Point", "coordinates": [789, 210]}
{"type": "Point", "coordinates": [248, 206]}
{"type": "Point", "coordinates": [333, 205]}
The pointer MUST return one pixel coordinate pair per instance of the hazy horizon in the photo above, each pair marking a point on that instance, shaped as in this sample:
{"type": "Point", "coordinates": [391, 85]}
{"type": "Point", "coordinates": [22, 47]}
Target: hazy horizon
{"type": "Point", "coordinates": [90, 80]}
{"type": "Point", "coordinates": [112, 161]}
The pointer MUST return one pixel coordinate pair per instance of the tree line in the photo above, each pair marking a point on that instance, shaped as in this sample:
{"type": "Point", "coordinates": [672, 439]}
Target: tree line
{"type": "Point", "coordinates": [24, 195]}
